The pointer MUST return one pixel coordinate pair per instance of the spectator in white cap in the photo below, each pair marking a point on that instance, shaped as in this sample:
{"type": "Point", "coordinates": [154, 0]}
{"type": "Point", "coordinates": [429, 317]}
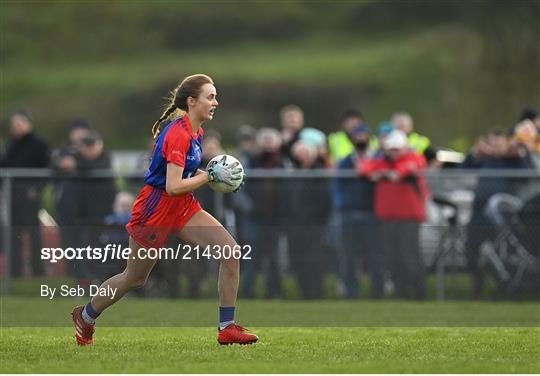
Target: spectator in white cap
{"type": "Point", "coordinates": [400, 194]}
{"type": "Point", "coordinates": [396, 140]}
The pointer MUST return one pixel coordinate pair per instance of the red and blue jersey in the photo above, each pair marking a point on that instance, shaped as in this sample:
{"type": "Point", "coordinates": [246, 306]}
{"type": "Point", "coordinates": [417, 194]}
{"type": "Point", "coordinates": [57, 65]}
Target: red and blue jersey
{"type": "Point", "coordinates": [175, 144]}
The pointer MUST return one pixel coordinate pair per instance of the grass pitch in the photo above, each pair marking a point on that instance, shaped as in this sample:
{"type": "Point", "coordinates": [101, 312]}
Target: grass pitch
{"type": "Point", "coordinates": [362, 347]}
{"type": "Point", "coordinates": [280, 350]}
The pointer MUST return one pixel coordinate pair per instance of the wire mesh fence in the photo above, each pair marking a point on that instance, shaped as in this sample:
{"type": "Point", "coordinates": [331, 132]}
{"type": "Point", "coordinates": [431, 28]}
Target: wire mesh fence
{"type": "Point", "coordinates": [318, 228]}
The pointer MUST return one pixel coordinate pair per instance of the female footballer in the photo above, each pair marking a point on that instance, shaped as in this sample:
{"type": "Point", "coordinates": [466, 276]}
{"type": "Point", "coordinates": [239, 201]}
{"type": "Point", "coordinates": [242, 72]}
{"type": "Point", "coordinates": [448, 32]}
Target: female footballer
{"type": "Point", "coordinates": [166, 205]}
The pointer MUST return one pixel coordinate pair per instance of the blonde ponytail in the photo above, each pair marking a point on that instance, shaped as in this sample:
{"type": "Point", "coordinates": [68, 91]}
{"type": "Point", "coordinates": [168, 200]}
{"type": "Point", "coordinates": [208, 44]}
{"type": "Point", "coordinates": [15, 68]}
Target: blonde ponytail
{"type": "Point", "coordinates": [156, 128]}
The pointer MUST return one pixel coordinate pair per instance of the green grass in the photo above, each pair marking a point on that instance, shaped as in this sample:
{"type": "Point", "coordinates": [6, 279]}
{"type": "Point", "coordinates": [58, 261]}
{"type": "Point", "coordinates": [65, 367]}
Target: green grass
{"type": "Point", "coordinates": [457, 286]}
{"type": "Point", "coordinates": [23, 312]}
{"type": "Point", "coordinates": [280, 350]}
{"type": "Point", "coordinates": [156, 335]}
{"type": "Point", "coordinates": [327, 59]}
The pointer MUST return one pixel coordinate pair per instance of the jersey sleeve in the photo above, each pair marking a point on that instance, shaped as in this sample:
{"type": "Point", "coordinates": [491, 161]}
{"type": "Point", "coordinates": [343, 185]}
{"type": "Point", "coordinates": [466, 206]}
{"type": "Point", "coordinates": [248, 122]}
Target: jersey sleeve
{"type": "Point", "coordinates": [175, 147]}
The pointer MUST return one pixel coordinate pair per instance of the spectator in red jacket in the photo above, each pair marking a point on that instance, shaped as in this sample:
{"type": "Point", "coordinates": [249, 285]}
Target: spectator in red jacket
{"type": "Point", "coordinates": [400, 195]}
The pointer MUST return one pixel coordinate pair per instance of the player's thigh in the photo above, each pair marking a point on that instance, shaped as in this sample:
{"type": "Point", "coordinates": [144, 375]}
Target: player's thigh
{"type": "Point", "coordinates": [204, 230]}
{"type": "Point", "coordinates": [139, 265]}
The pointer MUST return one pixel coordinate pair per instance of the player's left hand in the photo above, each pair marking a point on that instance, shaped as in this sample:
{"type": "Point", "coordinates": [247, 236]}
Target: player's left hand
{"type": "Point", "coordinates": [227, 174]}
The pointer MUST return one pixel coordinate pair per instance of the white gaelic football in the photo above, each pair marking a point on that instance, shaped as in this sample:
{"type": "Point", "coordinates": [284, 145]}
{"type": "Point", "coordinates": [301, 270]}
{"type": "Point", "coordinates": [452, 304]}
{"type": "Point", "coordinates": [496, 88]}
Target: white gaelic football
{"type": "Point", "coordinates": [222, 187]}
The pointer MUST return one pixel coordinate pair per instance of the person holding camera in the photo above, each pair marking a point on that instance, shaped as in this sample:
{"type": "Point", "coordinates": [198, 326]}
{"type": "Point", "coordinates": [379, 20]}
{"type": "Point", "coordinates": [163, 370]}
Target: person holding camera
{"type": "Point", "coordinates": [400, 196]}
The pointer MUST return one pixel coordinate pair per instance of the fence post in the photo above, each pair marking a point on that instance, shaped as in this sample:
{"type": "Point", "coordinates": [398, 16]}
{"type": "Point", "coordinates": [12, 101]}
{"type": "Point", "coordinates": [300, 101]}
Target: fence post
{"type": "Point", "coordinates": [440, 276]}
{"type": "Point", "coordinates": [6, 229]}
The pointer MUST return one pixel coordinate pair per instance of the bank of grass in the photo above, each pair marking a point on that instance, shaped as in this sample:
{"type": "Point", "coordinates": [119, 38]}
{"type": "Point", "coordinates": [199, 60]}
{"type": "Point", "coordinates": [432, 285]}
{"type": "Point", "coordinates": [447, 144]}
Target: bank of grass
{"type": "Point", "coordinates": [380, 73]}
{"type": "Point", "coordinates": [325, 59]}
{"type": "Point", "coordinates": [414, 69]}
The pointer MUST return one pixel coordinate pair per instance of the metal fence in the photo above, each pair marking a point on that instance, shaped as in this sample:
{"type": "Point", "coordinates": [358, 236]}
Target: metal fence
{"type": "Point", "coordinates": [295, 209]}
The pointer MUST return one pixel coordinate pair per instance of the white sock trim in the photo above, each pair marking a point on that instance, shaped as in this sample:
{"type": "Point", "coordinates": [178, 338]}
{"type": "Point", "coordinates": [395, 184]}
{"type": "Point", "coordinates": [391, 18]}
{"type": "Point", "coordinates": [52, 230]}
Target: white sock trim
{"type": "Point", "coordinates": [86, 317]}
{"type": "Point", "coordinates": [223, 325]}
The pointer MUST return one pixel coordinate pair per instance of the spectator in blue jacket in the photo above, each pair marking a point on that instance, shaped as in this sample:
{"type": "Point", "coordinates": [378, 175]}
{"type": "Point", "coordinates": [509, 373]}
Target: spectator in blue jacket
{"type": "Point", "coordinates": [353, 200]}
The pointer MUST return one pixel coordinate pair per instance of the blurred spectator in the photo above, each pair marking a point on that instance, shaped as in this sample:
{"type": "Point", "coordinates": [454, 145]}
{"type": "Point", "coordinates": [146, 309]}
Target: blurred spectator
{"type": "Point", "coordinates": [247, 144]}
{"type": "Point", "coordinates": [95, 196]}
{"type": "Point", "coordinates": [532, 114]}
{"type": "Point", "coordinates": [115, 233]}
{"type": "Point", "coordinates": [400, 195]}
{"type": "Point", "coordinates": [144, 159]}
{"type": "Point", "coordinates": [525, 142]}
{"type": "Point", "coordinates": [263, 222]}
{"type": "Point", "coordinates": [492, 152]}
{"type": "Point", "coordinates": [421, 144]}
{"type": "Point", "coordinates": [241, 202]}
{"type": "Point", "coordinates": [340, 144]}
{"type": "Point", "coordinates": [65, 186]}
{"type": "Point", "coordinates": [292, 122]}
{"type": "Point", "coordinates": [211, 146]}
{"type": "Point", "coordinates": [377, 143]}
{"type": "Point", "coordinates": [25, 150]}
{"type": "Point", "coordinates": [353, 201]}
{"type": "Point", "coordinates": [123, 203]}
{"type": "Point", "coordinates": [317, 139]}
{"type": "Point", "coordinates": [308, 210]}
{"type": "Point", "coordinates": [63, 159]}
